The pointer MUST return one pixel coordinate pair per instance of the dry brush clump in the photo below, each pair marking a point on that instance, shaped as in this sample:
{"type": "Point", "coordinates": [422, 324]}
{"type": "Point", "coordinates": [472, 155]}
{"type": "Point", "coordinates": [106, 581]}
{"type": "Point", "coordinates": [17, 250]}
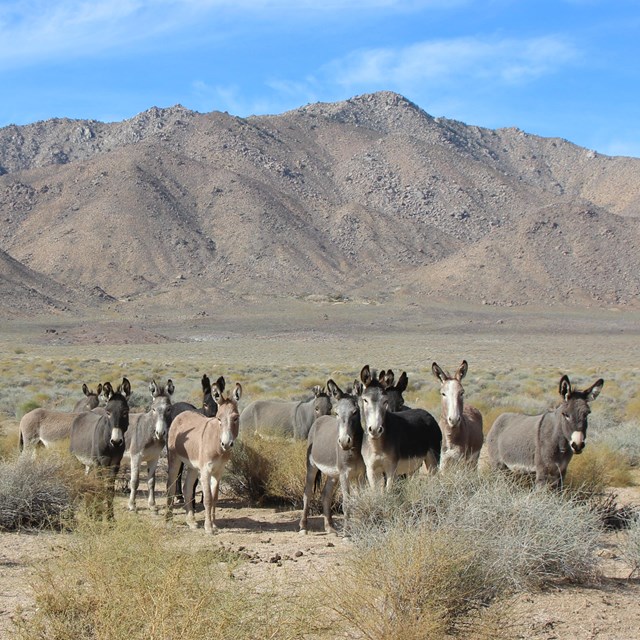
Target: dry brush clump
{"type": "Point", "coordinates": [267, 470]}
{"type": "Point", "coordinates": [136, 580]}
{"type": "Point", "coordinates": [599, 466]}
{"type": "Point", "coordinates": [37, 493]}
{"type": "Point", "coordinates": [623, 438]}
{"type": "Point", "coordinates": [630, 545]}
{"type": "Point", "coordinates": [435, 549]}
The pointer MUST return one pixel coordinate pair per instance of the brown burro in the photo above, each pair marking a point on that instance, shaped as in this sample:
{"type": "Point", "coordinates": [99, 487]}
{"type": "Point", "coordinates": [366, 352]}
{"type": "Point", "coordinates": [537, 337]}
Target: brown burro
{"type": "Point", "coordinates": [204, 446]}
{"type": "Point", "coordinates": [460, 423]}
{"type": "Point", "coordinates": [544, 444]}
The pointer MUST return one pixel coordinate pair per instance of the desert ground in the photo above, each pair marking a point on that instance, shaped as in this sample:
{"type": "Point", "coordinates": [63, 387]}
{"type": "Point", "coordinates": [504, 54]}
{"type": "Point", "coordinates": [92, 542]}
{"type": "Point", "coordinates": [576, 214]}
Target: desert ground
{"type": "Point", "coordinates": [314, 341]}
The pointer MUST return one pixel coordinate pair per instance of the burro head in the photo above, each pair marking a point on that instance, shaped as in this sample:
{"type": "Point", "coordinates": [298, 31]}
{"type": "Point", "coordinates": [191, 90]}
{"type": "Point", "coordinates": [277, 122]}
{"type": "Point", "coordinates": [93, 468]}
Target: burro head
{"type": "Point", "coordinates": [347, 413]}
{"type": "Point", "coordinates": [228, 414]}
{"type": "Point", "coordinates": [209, 405]}
{"type": "Point", "coordinates": [117, 411]}
{"type": "Point", "coordinates": [451, 393]}
{"type": "Point", "coordinates": [161, 407]}
{"type": "Point", "coordinates": [374, 403]}
{"type": "Point", "coordinates": [574, 411]}
{"type": "Point", "coordinates": [321, 402]}
{"type": "Point", "coordinates": [394, 390]}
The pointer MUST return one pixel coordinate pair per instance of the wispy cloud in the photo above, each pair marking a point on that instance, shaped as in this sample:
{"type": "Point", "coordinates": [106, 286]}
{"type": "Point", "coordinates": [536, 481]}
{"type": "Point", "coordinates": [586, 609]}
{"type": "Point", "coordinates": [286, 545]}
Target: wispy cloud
{"type": "Point", "coordinates": [232, 98]}
{"type": "Point", "coordinates": [617, 147]}
{"type": "Point", "coordinates": [37, 30]}
{"type": "Point", "coordinates": [443, 62]}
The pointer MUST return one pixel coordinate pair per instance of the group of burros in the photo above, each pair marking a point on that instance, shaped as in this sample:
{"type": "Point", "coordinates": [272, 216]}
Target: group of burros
{"type": "Point", "coordinates": [365, 431]}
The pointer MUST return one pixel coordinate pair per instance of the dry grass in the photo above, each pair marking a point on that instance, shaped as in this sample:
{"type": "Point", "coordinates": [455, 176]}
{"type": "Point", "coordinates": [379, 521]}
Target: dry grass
{"type": "Point", "coordinates": [411, 585]}
{"type": "Point", "coordinates": [630, 547]}
{"type": "Point", "coordinates": [431, 555]}
{"type": "Point", "coordinates": [597, 467]}
{"type": "Point", "coordinates": [622, 438]}
{"type": "Point", "coordinates": [548, 535]}
{"type": "Point", "coordinates": [268, 470]}
{"type": "Point", "coordinates": [131, 580]}
{"type": "Point", "coordinates": [37, 493]}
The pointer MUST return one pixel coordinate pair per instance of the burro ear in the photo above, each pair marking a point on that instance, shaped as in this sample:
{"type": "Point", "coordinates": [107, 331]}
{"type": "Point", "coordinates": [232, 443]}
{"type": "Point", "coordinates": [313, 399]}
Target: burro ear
{"type": "Point", "coordinates": [221, 383]}
{"type": "Point", "coordinates": [125, 387]}
{"type": "Point", "coordinates": [565, 387]}
{"type": "Point", "coordinates": [237, 392]}
{"type": "Point", "coordinates": [85, 389]}
{"type": "Point", "coordinates": [170, 387]}
{"type": "Point", "coordinates": [462, 370]}
{"type": "Point", "coordinates": [594, 390]}
{"type": "Point", "coordinates": [365, 375]}
{"type": "Point", "coordinates": [317, 390]}
{"type": "Point", "coordinates": [153, 387]}
{"type": "Point", "coordinates": [403, 382]}
{"type": "Point", "coordinates": [358, 387]}
{"type": "Point", "coordinates": [99, 389]}
{"type": "Point", "coordinates": [334, 390]}
{"type": "Point", "coordinates": [438, 372]}
{"type": "Point", "coordinates": [206, 384]}
{"type": "Point", "coordinates": [107, 390]}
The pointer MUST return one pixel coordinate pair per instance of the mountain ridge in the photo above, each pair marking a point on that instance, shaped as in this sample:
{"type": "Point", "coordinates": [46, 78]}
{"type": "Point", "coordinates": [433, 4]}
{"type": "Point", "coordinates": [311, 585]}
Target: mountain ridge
{"type": "Point", "coordinates": [370, 196]}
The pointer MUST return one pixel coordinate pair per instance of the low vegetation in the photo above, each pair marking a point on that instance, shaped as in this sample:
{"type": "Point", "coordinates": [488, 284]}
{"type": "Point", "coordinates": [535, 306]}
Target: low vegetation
{"type": "Point", "coordinates": [268, 471]}
{"type": "Point", "coordinates": [428, 558]}
{"type": "Point", "coordinates": [135, 580]}
{"type": "Point", "coordinates": [630, 547]}
{"type": "Point", "coordinates": [37, 494]}
{"type": "Point", "coordinates": [436, 549]}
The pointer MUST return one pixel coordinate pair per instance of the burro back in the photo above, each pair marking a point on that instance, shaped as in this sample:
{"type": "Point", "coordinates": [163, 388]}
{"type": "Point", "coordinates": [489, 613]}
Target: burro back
{"type": "Point", "coordinates": [543, 444]}
{"type": "Point", "coordinates": [285, 419]}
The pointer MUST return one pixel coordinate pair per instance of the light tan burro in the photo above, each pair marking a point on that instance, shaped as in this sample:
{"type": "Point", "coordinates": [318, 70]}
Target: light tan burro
{"type": "Point", "coordinates": [204, 446]}
{"type": "Point", "coordinates": [49, 428]}
{"type": "Point", "coordinates": [46, 428]}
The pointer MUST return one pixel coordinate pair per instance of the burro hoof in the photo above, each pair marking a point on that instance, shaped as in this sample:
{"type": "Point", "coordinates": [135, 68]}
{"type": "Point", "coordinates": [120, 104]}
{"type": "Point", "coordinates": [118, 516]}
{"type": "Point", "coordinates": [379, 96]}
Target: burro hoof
{"type": "Point", "coordinates": [303, 532]}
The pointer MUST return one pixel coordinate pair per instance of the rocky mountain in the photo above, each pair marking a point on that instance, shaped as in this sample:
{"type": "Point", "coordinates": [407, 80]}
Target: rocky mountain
{"type": "Point", "coordinates": [370, 197]}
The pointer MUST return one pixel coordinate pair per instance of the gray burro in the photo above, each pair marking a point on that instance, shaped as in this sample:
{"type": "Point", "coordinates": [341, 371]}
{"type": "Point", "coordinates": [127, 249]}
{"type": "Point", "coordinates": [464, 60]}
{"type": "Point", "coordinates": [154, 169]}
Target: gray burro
{"type": "Point", "coordinates": [543, 444]}
{"type": "Point", "coordinates": [283, 418]}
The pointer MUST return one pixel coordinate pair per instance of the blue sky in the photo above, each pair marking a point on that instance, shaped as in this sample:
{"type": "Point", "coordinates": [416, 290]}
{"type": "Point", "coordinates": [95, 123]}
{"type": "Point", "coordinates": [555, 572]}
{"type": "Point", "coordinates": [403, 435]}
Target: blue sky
{"type": "Point", "coordinates": [566, 68]}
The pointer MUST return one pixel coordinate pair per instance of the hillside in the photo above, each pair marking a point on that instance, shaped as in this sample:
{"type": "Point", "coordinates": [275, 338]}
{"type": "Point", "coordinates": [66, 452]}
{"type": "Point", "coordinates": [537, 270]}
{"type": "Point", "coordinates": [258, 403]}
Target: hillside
{"type": "Point", "coordinates": [367, 198]}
